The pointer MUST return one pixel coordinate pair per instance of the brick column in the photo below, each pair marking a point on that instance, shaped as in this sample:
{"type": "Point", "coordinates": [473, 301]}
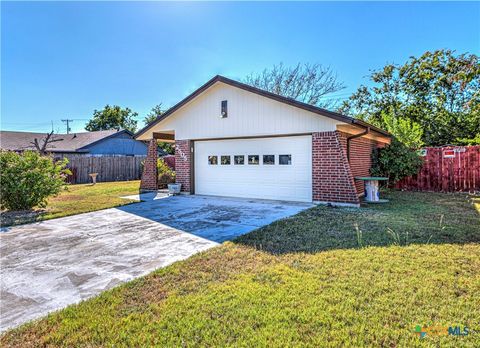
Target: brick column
{"type": "Point", "coordinates": [360, 157]}
{"type": "Point", "coordinates": [149, 175]}
{"type": "Point", "coordinates": [332, 179]}
{"type": "Point", "coordinates": [183, 158]}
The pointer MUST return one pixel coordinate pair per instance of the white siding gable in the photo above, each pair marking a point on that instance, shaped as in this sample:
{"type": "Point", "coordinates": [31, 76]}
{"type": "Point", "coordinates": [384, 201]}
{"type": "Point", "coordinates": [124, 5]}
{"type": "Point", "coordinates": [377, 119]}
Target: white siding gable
{"type": "Point", "coordinates": [249, 114]}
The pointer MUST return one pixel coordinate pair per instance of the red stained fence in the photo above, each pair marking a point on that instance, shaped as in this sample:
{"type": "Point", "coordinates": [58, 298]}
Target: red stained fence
{"type": "Point", "coordinates": [447, 169]}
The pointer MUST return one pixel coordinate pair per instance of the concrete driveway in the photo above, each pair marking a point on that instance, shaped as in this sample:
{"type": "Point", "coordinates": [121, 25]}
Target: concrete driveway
{"type": "Point", "coordinates": [48, 265]}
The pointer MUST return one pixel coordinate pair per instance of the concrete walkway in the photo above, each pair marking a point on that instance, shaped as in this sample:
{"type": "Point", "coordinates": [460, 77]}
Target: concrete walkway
{"type": "Point", "coordinates": [48, 265]}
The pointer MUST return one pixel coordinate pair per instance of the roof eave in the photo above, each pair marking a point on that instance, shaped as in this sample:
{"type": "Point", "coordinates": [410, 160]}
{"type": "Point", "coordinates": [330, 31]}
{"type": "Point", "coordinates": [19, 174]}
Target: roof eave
{"type": "Point", "coordinates": [68, 151]}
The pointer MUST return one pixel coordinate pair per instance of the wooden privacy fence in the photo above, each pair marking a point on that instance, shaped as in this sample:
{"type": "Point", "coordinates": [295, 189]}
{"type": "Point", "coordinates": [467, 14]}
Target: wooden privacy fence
{"type": "Point", "coordinates": [446, 169]}
{"type": "Point", "coordinates": [108, 167]}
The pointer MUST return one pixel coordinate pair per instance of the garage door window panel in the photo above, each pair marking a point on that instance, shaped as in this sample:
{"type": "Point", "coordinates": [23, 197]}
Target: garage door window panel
{"type": "Point", "coordinates": [253, 159]}
{"type": "Point", "coordinates": [239, 159]}
{"type": "Point", "coordinates": [268, 159]}
{"type": "Point", "coordinates": [285, 159]}
{"type": "Point", "coordinates": [213, 160]}
{"type": "Point", "coordinates": [225, 160]}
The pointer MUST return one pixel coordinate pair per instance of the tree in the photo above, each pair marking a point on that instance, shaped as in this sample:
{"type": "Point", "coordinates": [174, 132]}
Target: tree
{"type": "Point", "coordinates": [112, 117]}
{"type": "Point", "coordinates": [169, 148]}
{"type": "Point", "coordinates": [156, 112]}
{"type": "Point", "coordinates": [400, 158]}
{"type": "Point", "coordinates": [439, 91]}
{"type": "Point", "coordinates": [42, 144]}
{"type": "Point", "coordinates": [403, 129]}
{"type": "Point", "coordinates": [308, 83]}
{"type": "Point", "coordinates": [471, 141]}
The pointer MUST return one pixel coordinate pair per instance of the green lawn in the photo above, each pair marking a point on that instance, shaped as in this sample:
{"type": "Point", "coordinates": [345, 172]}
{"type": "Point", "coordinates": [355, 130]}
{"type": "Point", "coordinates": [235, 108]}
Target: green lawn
{"type": "Point", "coordinates": [410, 218]}
{"type": "Point", "coordinates": [308, 280]}
{"type": "Point", "coordinates": [77, 199]}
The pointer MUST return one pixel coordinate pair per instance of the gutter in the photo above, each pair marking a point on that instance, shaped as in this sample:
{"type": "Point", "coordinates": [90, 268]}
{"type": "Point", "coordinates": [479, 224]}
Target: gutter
{"type": "Point", "coordinates": [359, 135]}
{"type": "Point", "coordinates": [367, 125]}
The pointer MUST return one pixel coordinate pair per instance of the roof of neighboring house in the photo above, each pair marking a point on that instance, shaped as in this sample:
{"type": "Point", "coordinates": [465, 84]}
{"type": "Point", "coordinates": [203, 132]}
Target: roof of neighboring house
{"type": "Point", "coordinates": [308, 107]}
{"type": "Point", "coordinates": [74, 142]}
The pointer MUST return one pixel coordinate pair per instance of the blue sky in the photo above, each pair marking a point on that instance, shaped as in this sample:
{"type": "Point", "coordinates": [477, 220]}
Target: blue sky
{"type": "Point", "coordinates": [65, 59]}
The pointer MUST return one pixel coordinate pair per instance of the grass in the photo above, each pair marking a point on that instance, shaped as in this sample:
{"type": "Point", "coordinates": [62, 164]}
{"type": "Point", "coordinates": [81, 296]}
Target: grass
{"type": "Point", "coordinates": [410, 218]}
{"type": "Point", "coordinates": [319, 287]}
{"type": "Point", "coordinates": [77, 199]}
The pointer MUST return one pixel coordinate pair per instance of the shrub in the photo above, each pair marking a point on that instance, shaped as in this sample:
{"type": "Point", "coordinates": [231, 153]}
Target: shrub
{"type": "Point", "coordinates": [165, 174]}
{"type": "Point", "coordinates": [28, 179]}
{"type": "Point", "coordinates": [395, 161]}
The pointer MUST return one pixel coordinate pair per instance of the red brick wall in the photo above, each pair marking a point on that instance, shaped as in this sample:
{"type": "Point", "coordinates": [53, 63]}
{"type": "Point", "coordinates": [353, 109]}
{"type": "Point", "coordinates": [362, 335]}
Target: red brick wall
{"type": "Point", "coordinates": [149, 175]}
{"type": "Point", "coordinates": [183, 157]}
{"type": "Point", "coordinates": [332, 179]}
{"type": "Point", "coordinates": [332, 175]}
{"type": "Point", "coordinates": [360, 157]}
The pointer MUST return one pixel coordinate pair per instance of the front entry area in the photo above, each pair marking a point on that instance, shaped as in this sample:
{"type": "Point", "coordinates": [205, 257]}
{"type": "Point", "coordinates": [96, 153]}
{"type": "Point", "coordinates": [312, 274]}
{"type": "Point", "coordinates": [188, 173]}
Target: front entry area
{"type": "Point", "coordinates": [278, 168]}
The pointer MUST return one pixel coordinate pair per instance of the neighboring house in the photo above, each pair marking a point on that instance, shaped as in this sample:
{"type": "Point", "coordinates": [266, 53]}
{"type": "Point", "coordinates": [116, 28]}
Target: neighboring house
{"type": "Point", "coordinates": [108, 142]}
{"type": "Point", "coordinates": [113, 155]}
{"type": "Point", "coordinates": [236, 140]}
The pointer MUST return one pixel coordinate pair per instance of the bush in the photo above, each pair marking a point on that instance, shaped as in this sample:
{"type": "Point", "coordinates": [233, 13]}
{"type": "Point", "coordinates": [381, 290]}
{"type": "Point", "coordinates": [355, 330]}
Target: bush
{"type": "Point", "coordinates": [28, 179]}
{"type": "Point", "coordinates": [395, 161]}
{"type": "Point", "coordinates": [165, 174]}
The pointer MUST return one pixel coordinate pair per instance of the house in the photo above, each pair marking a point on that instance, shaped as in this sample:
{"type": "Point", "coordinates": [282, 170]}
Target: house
{"type": "Point", "coordinates": [113, 155]}
{"type": "Point", "coordinates": [232, 139]}
{"type": "Point", "coordinates": [107, 142]}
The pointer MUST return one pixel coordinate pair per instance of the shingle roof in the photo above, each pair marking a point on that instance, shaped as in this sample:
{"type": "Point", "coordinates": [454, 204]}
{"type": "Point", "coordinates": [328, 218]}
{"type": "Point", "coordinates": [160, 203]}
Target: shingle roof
{"type": "Point", "coordinates": [74, 142]}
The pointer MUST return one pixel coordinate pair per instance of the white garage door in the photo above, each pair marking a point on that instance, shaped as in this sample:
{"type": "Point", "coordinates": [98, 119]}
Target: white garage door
{"type": "Point", "coordinates": [270, 168]}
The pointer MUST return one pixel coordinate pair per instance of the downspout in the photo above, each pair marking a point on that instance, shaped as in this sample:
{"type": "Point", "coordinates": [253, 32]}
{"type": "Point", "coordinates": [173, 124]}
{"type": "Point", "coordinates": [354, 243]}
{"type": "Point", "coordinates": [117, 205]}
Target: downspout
{"type": "Point", "coordinates": [365, 132]}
